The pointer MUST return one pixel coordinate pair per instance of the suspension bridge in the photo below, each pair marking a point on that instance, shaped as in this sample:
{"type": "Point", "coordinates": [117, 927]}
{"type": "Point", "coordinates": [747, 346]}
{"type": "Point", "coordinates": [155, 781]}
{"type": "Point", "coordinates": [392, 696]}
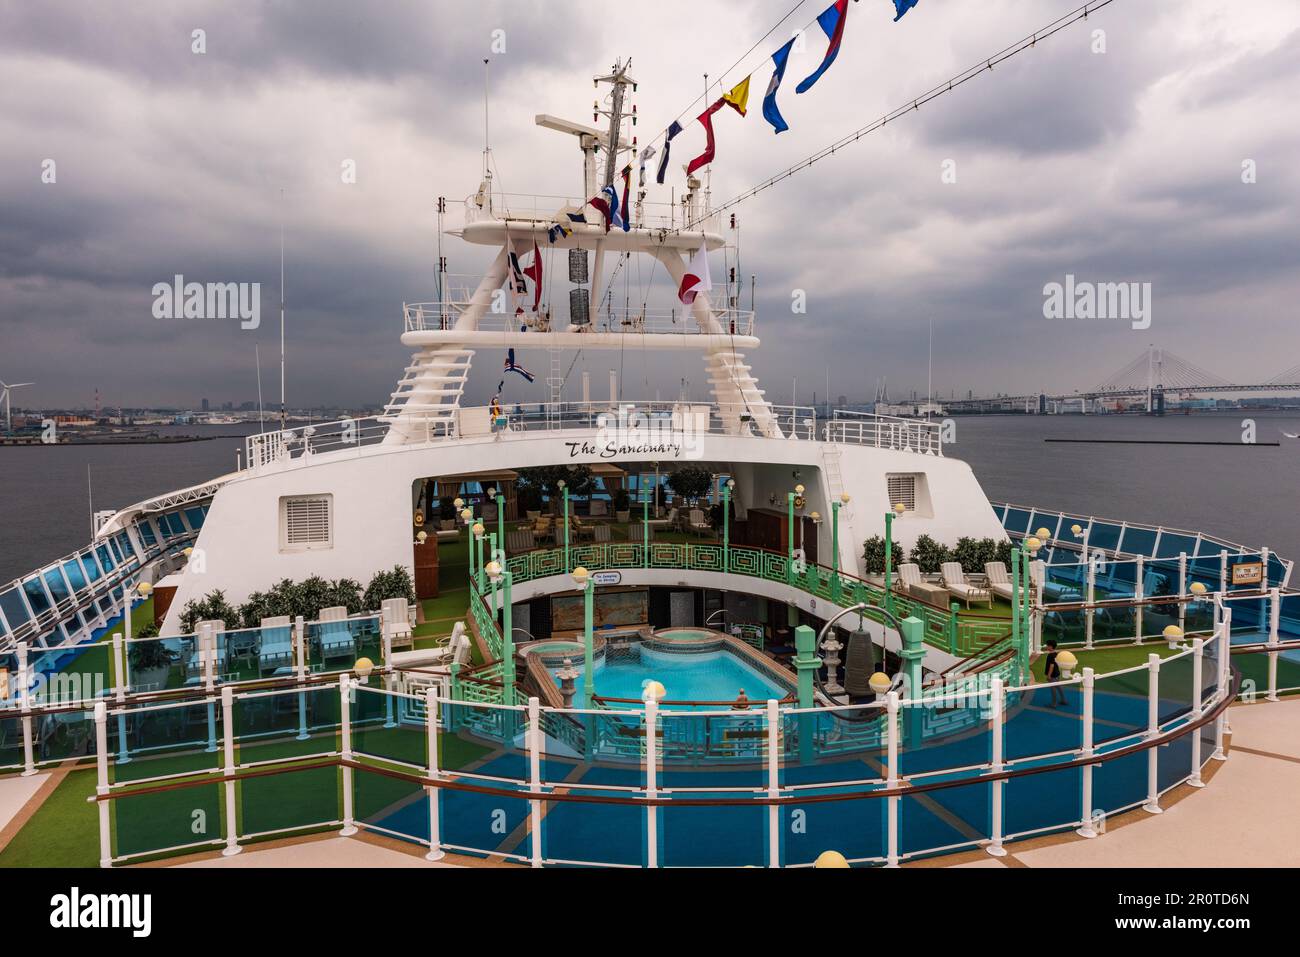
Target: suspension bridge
{"type": "Point", "coordinates": [1141, 385]}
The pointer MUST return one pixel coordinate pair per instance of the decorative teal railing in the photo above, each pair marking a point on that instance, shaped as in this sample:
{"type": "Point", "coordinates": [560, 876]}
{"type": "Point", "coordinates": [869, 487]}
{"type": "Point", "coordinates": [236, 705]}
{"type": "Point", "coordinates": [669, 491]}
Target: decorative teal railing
{"type": "Point", "coordinates": [952, 633]}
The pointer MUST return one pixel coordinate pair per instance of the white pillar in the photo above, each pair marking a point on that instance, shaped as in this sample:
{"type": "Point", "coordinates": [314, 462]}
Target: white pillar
{"type": "Point", "coordinates": [1153, 730]}
{"type": "Point", "coordinates": [1092, 595]}
{"type": "Point", "coordinates": [1223, 570]}
{"type": "Point", "coordinates": [651, 781]}
{"type": "Point", "coordinates": [345, 737]}
{"type": "Point", "coordinates": [1182, 590]}
{"type": "Point", "coordinates": [101, 785]}
{"type": "Point", "coordinates": [891, 782]}
{"type": "Point", "coordinates": [1139, 594]}
{"type": "Point", "coordinates": [535, 777]}
{"type": "Point", "coordinates": [1198, 708]}
{"type": "Point", "coordinates": [1225, 654]}
{"type": "Point", "coordinates": [25, 703]}
{"type": "Point", "coordinates": [1089, 818]}
{"type": "Point", "coordinates": [997, 702]}
{"type": "Point", "coordinates": [436, 852]}
{"type": "Point", "coordinates": [1274, 616]}
{"type": "Point", "coordinates": [773, 782]}
{"type": "Point", "coordinates": [613, 379]}
{"type": "Point", "coordinates": [228, 732]}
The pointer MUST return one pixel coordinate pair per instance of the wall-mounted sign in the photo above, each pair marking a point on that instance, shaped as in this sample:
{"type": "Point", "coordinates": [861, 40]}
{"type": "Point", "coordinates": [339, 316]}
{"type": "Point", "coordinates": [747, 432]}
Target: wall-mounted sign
{"type": "Point", "coordinates": [606, 578]}
{"type": "Point", "coordinates": [1248, 573]}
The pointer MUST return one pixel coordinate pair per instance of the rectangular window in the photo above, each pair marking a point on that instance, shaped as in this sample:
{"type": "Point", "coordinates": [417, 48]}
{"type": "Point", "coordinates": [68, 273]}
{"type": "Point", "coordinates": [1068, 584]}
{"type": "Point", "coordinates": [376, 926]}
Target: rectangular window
{"type": "Point", "coordinates": [306, 522]}
{"type": "Point", "coordinates": [902, 488]}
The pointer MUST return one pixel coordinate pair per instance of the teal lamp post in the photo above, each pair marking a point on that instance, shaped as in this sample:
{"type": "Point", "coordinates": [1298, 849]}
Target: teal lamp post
{"type": "Point", "coordinates": [500, 575]}
{"type": "Point", "coordinates": [564, 491]}
{"type": "Point", "coordinates": [645, 528]}
{"type": "Point", "coordinates": [582, 578]}
{"type": "Point", "coordinates": [898, 510]}
{"type": "Point", "coordinates": [835, 545]}
{"type": "Point", "coordinates": [494, 493]}
{"type": "Point", "coordinates": [726, 523]}
{"type": "Point", "coordinates": [477, 531]}
{"type": "Point", "coordinates": [789, 532]}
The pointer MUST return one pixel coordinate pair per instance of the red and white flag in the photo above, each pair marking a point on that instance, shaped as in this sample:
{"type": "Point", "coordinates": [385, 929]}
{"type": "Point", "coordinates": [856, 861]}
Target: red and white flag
{"type": "Point", "coordinates": [696, 278]}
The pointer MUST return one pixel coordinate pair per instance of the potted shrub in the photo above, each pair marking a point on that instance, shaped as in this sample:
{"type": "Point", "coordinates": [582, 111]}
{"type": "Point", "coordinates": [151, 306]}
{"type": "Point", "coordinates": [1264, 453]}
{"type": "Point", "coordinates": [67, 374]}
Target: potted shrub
{"type": "Point", "coordinates": [873, 555]}
{"type": "Point", "coordinates": [928, 554]}
{"type": "Point", "coordinates": [622, 511]}
{"type": "Point", "coordinates": [691, 483]}
{"type": "Point", "coordinates": [149, 660]}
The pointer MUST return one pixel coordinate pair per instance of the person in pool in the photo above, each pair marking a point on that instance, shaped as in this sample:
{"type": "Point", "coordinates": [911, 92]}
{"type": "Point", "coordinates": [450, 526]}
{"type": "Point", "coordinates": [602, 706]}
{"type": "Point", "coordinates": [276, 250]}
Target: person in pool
{"type": "Point", "coordinates": [1052, 672]}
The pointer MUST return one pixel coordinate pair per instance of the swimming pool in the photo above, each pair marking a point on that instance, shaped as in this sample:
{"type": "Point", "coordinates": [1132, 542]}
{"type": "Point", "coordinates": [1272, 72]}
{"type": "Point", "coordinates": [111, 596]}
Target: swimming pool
{"type": "Point", "coordinates": [713, 675]}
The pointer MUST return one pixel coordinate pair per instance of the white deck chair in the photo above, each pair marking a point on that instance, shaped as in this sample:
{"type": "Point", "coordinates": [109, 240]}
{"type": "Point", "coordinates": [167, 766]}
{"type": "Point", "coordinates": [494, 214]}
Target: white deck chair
{"type": "Point", "coordinates": [698, 523]}
{"type": "Point", "coordinates": [276, 649]}
{"type": "Point", "coordinates": [599, 508]}
{"type": "Point", "coordinates": [334, 634]}
{"type": "Point", "coordinates": [954, 580]}
{"type": "Point", "coordinates": [669, 521]}
{"type": "Point", "coordinates": [397, 622]}
{"type": "Point", "coordinates": [909, 574]}
{"type": "Point", "coordinates": [999, 579]}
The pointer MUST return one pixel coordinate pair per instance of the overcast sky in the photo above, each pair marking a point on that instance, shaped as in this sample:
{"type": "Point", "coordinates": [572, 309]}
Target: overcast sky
{"type": "Point", "coordinates": [1122, 166]}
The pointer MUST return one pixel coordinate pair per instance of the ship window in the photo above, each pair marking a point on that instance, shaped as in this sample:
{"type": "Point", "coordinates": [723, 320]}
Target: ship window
{"type": "Point", "coordinates": [306, 522]}
{"type": "Point", "coordinates": [902, 488]}
{"type": "Point", "coordinates": [11, 603]}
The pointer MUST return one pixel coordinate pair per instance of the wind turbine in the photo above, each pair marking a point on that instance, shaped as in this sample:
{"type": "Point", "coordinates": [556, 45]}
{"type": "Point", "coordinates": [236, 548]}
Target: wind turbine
{"type": "Point", "coordinates": [9, 426]}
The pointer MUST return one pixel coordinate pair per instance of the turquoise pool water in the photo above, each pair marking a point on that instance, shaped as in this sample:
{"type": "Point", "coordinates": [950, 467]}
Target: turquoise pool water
{"type": "Point", "coordinates": [687, 676]}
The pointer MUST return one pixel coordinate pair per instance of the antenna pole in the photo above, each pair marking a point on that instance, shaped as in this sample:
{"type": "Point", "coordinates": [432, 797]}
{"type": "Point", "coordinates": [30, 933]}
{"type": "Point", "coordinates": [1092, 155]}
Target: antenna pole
{"type": "Point", "coordinates": [257, 356]}
{"type": "Point", "coordinates": [259, 368]}
{"type": "Point", "coordinates": [90, 498]}
{"type": "Point", "coordinates": [487, 147]}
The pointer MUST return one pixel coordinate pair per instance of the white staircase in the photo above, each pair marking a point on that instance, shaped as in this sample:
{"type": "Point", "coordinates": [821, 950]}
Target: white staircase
{"type": "Point", "coordinates": [427, 398]}
{"type": "Point", "coordinates": [739, 397]}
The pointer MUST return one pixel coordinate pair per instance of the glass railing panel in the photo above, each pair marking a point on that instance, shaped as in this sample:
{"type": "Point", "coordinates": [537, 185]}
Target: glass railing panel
{"type": "Point", "coordinates": [146, 824]}
{"type": "Point", "coordinates": [293, 800]}
{"type": "Point", "coordinates": [1040, 803]}
{"type": "Point", "coordinates": [1016, 520]}
{"type": "Point", "coordinates": [1138, 541]}
{"type": "Point", "coordinates": [279, 724]}
{"type": "Point", "coordinates": [945, 818]}
{"type": "Point", "coordinates": [1103, 535]}
{"type": "Point", "coordinates": [1120, 703]}
{"type": "Point", "coordinates": [164, 740]}
{"type": "Point", "coordinates": [392, 806]}
{"type": "Point", "coordinates": [1176, 692]}
{"type": "Point", "coordinates": [1172, 544]}
{"type": "Point", "coordinates": [161, 664]}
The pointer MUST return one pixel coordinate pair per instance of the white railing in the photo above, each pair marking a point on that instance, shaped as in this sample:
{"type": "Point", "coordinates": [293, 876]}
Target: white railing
{"type": "Point", "coordinates": [442, 316]}
{"type": "Point", "coordinates": [545, 209]}
{"type": "Point", "coordinates": [268, 448]}
{"type": "Point", "coordinates": [885, 432]}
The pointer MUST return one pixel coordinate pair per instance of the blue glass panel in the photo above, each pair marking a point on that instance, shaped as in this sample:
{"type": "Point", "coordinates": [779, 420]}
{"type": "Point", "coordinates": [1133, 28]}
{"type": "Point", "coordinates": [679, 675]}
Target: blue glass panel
{"type": "Point", "coordinates": [174, 524]}
{"type": "Point", "coordinates": [58, 587]}
{"type": "Point", "coordinates": [145, 528]}
{"type": "Point", "coordinates": [15, 609]}
{"type": "Point", "coordinates": [1047, 520]}
{"type": "Point", "coordinates": [72, 571]}
{"type": "Point", "coordinates": [1104, 535]}
{"type": "Point", "coordinates": [117, 552]}
{"type": "Point", "coordinates": [195, 517]}
{"type": "Point", "coordinates": [90, 565]}
{"type": "Point", "coordinates": [124, 546]}
{"type": "Point", "coordinates": [36, 595]}
{"type": "Point", "coordinates": [105, 559]}
{"type": "Point", "coordinates": [1139, 541]}
{"type": "Point", "coordinates": [1172, 544]}
{"type": "Point", "coordinates": [1017, 520]}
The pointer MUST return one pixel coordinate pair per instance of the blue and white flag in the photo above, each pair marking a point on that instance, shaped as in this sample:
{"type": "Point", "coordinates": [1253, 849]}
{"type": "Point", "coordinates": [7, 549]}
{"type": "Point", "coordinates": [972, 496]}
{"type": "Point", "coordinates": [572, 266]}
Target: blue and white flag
{"type": "Point", "coordinates": [902, 6]}
{"type": "Point", "coordinates": [512, 366]}
{"type": "Point", "coordinates": [770, 112]}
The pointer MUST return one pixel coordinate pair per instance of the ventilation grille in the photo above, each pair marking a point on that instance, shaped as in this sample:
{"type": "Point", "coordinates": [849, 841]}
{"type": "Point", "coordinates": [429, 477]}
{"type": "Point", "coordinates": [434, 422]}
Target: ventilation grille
{"type": "Point", "coordinates": [307, 522]}
{"type": "Point", "coordinates": [902, 488]}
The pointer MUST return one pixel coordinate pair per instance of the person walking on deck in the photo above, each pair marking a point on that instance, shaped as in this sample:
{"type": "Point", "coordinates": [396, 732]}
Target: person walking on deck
{"type": "Point", "coordinates": [1052, 672]}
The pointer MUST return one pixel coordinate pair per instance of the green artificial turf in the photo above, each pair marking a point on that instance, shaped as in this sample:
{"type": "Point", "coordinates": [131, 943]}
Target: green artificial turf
{"type": "Point", "coordinates": [64, 831]}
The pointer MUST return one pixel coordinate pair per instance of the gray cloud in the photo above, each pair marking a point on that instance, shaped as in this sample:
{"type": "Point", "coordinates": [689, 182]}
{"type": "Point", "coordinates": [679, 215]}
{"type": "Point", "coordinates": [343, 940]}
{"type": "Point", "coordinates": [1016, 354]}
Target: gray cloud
{"type": "Point", "coordinates": [1113, 167]}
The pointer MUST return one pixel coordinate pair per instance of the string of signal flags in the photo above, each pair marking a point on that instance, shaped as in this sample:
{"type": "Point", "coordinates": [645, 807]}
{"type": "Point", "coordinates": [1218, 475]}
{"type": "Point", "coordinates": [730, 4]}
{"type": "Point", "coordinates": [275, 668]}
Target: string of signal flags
{"type": "Point", "coordinates": [613, 207]}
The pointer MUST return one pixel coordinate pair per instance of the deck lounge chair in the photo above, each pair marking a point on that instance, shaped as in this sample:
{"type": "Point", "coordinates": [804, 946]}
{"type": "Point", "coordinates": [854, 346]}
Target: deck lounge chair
{"type": "Point", "coordinates": [277, 644]}
{"type": "Point", "coordinates": [397, 622]}
{"type": "Point", "coordinates": [909, 574]}
{"type": "Point", "coordinates": [999, 579]}
{"type": "Point", "coordinates": [698, 523]}
{"type": "Point", "coordinates": [520, 540]}
{"type": "Point", "coordinates": [669, 521]}
{"type": "Point", "coordinates": [334, 634]}
{"type": "Point", "coordinates": [216, 648]}
{"type": "Point", "coordinates": [637, 532]}
{"type": "Point", "coordinates": [599, 508]}
{"type": "Point", "coordinates": [954, 580]}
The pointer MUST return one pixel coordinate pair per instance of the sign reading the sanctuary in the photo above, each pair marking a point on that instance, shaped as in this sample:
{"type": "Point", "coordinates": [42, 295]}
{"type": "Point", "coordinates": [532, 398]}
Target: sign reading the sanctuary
{"type": "Point", "coordinates": [1248, 573]}
{"type": "Point", "coordinates": [632, 434]}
